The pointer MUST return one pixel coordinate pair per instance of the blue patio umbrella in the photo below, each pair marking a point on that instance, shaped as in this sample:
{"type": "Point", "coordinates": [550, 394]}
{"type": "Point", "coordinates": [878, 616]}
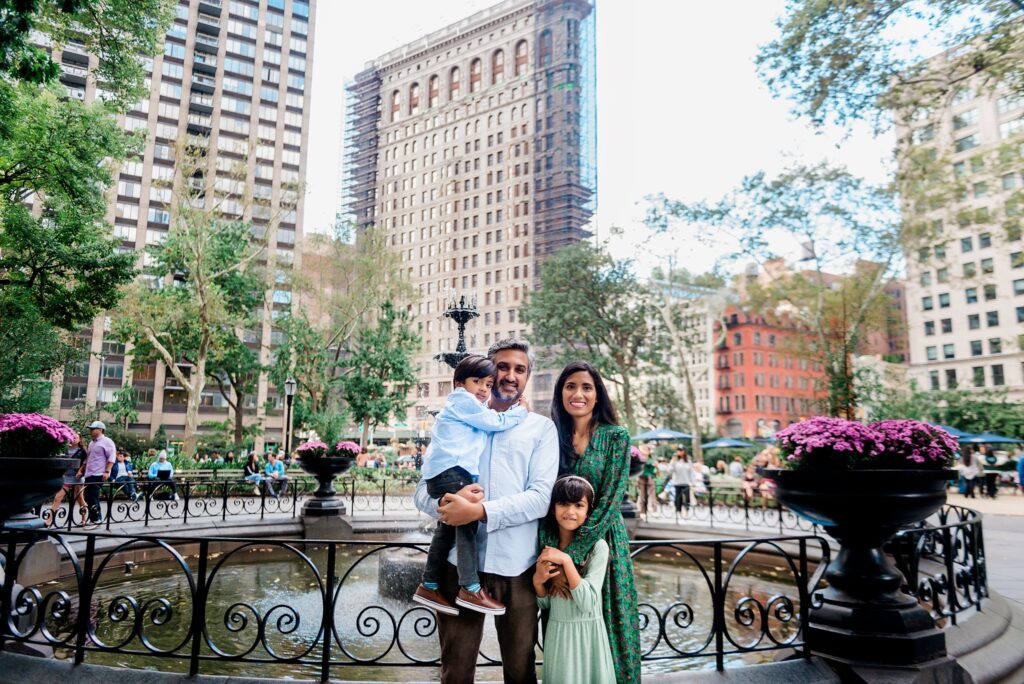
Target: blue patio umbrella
{"type": "Point", "coordinates": [953, 431]}
{"type": "Point", "coordinates": [661, 435]}
{"type": "Point", "coordinates": [728, 443]}
{"type": "Point", "coordinates": [989, 438]}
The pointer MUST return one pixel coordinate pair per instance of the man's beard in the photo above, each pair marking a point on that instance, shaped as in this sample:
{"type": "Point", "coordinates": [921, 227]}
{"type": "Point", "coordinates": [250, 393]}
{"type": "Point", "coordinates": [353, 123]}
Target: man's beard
{"type": "Point", "coordinates": [507, 396]}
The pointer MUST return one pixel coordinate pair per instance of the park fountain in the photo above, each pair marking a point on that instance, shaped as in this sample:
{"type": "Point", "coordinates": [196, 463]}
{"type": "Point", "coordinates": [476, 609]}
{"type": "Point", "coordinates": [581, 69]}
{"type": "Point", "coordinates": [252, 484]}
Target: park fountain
{"type": "Point", "coordinates": [462, 312]}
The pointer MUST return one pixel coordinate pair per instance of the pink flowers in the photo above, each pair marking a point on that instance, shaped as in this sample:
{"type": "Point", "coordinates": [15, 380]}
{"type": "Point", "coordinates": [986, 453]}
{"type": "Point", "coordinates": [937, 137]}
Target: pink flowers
{"type": "Point", "coordinates": [346, 450]}
{"type": "Point", "coordinates": [839, 444]}
{"type": "Point", "coordinates": [312, 449]}
{"type": "Point", "coordinates": [32, 434]}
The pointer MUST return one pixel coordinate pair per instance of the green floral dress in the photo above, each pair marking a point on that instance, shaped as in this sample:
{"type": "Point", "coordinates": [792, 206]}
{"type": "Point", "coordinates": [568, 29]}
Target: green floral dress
{"type": "Point", "coordinates": [605, 464]}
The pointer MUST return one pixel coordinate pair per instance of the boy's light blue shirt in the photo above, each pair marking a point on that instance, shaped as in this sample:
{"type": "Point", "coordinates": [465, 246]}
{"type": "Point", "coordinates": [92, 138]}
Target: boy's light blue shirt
{"type": "Point", "coordinates": [459, 437]}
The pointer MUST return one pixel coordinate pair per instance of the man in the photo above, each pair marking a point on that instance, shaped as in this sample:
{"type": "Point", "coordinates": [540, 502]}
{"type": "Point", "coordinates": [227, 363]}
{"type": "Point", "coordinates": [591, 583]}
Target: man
{"type": "Point", "coordinates": [161, 465]}
{"type": "Point", "coordinates": [517, 472]}
{"type": "Point", "coordinates": [98, 462]}
{"type": "Point", "coordinates": [736, 467]}
{"type": "Point", "coordinates": [275, 473]}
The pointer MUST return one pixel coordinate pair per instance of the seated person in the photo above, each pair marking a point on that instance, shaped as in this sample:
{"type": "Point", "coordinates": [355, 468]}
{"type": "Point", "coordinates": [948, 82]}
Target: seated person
{"type": "Point", "coordinates": [274, 471]}
{"type": "Point", "coordinates": [162, 471]}
{"type": "Point", "coordinates": [252, 471]}
{"type": "Point", "coordinates": [122, 471]}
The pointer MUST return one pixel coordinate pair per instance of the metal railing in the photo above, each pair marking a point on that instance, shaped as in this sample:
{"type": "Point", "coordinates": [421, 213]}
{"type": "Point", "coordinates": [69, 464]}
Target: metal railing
{"type": "Point", "coordinates": [341, 617]}
{"type": "Point", "coordinates": [348, 603]}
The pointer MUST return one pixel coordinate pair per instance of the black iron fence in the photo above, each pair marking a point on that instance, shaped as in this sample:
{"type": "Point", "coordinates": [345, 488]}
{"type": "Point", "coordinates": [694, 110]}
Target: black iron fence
{"type": "Point", "coordinates": [297, 608]}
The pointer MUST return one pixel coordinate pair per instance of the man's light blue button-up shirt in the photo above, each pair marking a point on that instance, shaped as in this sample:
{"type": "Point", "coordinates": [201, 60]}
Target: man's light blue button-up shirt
{"type": "Point", "coordinates": [517, 472]}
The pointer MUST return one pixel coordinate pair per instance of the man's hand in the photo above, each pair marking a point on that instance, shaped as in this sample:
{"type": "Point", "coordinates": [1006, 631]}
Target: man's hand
{"type": "Point", "coordinates": [472, 493]}
{"type": "Point", "coordinates": [106, 476]}
{"type": "Point", "coordinates": [457, 511]}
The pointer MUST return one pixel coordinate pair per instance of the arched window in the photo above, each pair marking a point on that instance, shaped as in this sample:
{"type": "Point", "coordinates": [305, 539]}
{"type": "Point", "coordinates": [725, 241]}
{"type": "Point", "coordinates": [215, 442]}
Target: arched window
{"type": "Point", "coordinates": [433, 91]}
{"type": "Point", "coordinates": [521, 56]}
{"type": "Point", "coordinates": [497, 66]}
{"type": "Point", "coordinates": [454, 81]}
{"type": "Point", "coordinates": [414, 99]}
{"type": "Point", "coordinates": [546, 49]}
{"type": "Point", "coordinates": [396, 105]}
{"type": "Point", "coordinates": [476, 69]}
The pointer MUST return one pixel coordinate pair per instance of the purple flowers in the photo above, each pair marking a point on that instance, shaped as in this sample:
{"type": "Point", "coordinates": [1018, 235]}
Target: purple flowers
{"type": "Point", "coordinates": [346, 450]}
{"type": "Point", "coordinates": [839, 444]}
{"type": "Point", "coordinates": [32, 434]}
{"type": "Point", "coordinates": [313, 449]}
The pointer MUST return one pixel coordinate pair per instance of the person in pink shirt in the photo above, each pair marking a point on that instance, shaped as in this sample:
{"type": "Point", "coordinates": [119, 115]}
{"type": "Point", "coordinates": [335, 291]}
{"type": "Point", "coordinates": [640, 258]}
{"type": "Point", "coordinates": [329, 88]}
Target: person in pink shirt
{"type": "Point", "coordinates": [98, 463]}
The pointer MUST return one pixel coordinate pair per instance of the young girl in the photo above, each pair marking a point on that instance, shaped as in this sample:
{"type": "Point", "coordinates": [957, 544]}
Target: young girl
{"type": "Point", "coordinates": [576, 647]}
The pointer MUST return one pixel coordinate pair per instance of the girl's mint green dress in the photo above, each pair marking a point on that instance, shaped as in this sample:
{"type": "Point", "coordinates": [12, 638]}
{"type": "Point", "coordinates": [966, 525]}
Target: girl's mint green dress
{"type": "Point", "coordinates": [576, 647]}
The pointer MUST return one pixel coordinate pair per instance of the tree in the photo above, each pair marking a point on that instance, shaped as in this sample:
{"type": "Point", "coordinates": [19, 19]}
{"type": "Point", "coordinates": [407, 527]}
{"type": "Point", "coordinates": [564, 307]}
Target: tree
{"type": "Point", "coordinates": [591, 306]}
{"type": "Point", "coordinates": [354, 277]}
{"type": "Point", "coordinates": [863, 59]}
{"type": "Point", "coordinates": [379, 371]}
{"type": "Point", "coordinates": [235, 367]}
{"type": "Point", "coordinates": [123, 410]}
{"type": "Point", "coordinates": [118, 32]}
{"type": "Point", "coordinates": [841, 222]}
{"type": "Point", "coordinates": [661, 406]}
{"type": "Point", "coordinates": [203, 285]}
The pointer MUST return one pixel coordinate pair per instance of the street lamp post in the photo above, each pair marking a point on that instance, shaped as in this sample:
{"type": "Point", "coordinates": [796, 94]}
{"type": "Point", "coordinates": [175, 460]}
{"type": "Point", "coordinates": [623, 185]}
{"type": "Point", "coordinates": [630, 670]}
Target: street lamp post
{"type": "Point", "coordinates": [289, 395]}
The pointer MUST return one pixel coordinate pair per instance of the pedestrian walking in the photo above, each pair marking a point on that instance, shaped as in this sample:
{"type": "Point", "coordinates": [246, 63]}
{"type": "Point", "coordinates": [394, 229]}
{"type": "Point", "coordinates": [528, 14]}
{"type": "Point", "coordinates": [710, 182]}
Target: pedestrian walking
{"type": "Point", "coordinates": [682, 479]}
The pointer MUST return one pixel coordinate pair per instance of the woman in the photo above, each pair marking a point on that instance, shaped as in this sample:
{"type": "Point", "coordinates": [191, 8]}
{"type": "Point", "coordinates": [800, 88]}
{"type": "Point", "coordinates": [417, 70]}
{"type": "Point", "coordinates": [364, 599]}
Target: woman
{"type": "Point", "coordinates": [594, 446]}
{"type": "Point", "coordinates": [252, 471]}
{"type": "Point", "coordinates": [969, 470]}
{"type": "Point", "coordinates": [72, 480]}
{"type": "Point", "coordinates": [749, 482]}
{"type": "Point", "coordinates": [682, 479]}
{"type": "Point", "coordinates": [647, 482]}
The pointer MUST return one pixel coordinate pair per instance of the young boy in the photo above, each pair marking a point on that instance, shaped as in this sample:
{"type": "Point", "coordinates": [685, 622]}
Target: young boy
{"type": "Point", "coordinates": [452, 461]}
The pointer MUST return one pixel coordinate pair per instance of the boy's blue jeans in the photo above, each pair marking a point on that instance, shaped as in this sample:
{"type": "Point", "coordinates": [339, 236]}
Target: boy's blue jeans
{"type": "Point", "coordinates": [463, 537]}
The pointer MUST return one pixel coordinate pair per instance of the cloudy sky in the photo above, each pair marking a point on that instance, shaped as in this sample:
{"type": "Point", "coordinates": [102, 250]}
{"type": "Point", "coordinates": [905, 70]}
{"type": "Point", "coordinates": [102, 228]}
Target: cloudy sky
{"type": "Point", "coordinates": [680, 107]}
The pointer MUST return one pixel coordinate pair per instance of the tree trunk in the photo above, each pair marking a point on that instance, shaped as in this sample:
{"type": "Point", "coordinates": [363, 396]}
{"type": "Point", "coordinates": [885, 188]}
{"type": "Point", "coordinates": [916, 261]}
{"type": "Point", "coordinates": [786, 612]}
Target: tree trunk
{"type": "Point", "coordinates": [627, 403]}
{"type": "Point", "coordinates": [239, 418]}
{"type": "Point", "coordinates": [192, 417]}
{"type": "Point", "coordinates": [364, 435]}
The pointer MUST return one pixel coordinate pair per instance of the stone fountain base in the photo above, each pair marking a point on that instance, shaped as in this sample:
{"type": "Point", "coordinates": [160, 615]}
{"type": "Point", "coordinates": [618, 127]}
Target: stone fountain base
{"type": "Point", "coordinates": [327, 527]}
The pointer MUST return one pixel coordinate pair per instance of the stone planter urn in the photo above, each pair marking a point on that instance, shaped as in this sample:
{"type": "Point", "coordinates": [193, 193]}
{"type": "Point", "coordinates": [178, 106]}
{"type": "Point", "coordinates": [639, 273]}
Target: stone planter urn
{"type": "Point", "coordinates": [27, 482]}
{"type": "Point", "coordinates": [325, 501]}
{"type": "Point", "coordinates": [863, 616]}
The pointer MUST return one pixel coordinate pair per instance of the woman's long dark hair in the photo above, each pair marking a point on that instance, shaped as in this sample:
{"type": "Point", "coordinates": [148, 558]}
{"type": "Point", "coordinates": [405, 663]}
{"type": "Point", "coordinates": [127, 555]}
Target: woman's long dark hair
{"type": "Point", "coordinates": [604, 413]}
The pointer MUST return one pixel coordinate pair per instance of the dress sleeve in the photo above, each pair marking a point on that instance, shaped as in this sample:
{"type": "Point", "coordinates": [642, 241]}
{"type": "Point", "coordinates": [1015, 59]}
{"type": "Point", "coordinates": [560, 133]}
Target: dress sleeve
{"type": "Point", "coordinates": [587, 594]}
{"type": "Point", "coordinates": [544, 602]}
{"type": "Point", "coordinates": [609, 490]}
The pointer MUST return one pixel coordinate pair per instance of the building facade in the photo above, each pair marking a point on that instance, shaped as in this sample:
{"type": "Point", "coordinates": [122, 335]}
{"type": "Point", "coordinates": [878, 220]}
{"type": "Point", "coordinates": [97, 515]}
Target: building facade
{"type": "Point", "coordinates": [234, 80]}
{"type": "Point", "coordinates": [762, 380]}
{"type": "Point", "coordinates": [965, 274]}
{"type": "Point", "coordinates": [473, 148]}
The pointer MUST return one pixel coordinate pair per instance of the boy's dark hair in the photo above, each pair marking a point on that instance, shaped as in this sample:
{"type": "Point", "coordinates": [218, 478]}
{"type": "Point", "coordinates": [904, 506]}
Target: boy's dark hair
{"type": "Point", "coordinates": [569, 489]}
{"type": "Point", "coordinates": [474, 366]}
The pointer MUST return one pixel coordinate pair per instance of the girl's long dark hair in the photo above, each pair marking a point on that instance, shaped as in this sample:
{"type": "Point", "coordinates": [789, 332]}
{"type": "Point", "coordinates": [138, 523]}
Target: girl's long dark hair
{"type": "Point", "coordinates": [604, 413]}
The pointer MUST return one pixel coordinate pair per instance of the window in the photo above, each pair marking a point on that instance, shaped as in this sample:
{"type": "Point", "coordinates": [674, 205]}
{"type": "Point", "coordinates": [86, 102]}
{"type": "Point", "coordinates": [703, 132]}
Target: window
{"type": "Point", "coordinates": [944, 300]}
{"type": "Point", "coordinates": [521, 57]}
{"type": "Point", "coordinates": [997, 375]}
{"type": "Point", "coordinates": [966, 244]}
{"type": "Point", "coordinates": [973, 322]}
{"type": "Point", "coordinates": [476, 68]}
{"type": "Point", "coordinates": [947, 325]}
{"type": "Point", "coordinates": [987, 266]}
{"type": "Point", "coordinates": [546, 48]}
{"type": "Point", "coordinates": [454, 82]}
{"type": "Point", "coordinates": [1018, 286]}
{"type": "Point", "coordinates": [929, 328]}
{"type": "Point", "coordinates": [971, 295]}
{"type": "Point", "coordinates": [990, 292]}
{"type": "Point", "coordinates": [951, 378]}
{"type": "Point", "coordinates": [927, 303]}
{"type": "Point", "coordinates": [932, 353]}
{"type": "Point", "coordinates": [976, 349]}
{"type": "Point", "coordinates": [942, 275]}
{"type": "Point", "coordinates": [940, 251]}
{"type": "Point", "coordinates": [926, 278]}
{"type": "Point", "coordinates": [1009, 181]}
{"type": "Point", "coordinates": [995, 345]}
{"type": "Point", "coordinates": [1017, 260]}
{"type": "Point", "coordinates": [984, 240]}
{"type": "Point", "coordinates": [933, 379]}
{"type": "Point", "coordinates": [948, 351]}
{"type": "Point", "coordinates": [968, 142]}
{"type": "Point", "coordinates": [970, 269]}
{"type": "Point", "coordinates": [965, 119]}
{"type": "Point", "coordinates": [1020, 314]}
{"type": "Point", "coordinates": [978, 373]}
{"type": "Point", "coordinates": [497, 66]}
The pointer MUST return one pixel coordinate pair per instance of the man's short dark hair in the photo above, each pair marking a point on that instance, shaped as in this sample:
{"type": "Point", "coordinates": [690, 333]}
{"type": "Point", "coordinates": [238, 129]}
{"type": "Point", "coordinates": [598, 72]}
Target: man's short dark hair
{"type": "Point", "coordinates": [516, 345]}
{"type": "Point", "coordinates": [474, 366]}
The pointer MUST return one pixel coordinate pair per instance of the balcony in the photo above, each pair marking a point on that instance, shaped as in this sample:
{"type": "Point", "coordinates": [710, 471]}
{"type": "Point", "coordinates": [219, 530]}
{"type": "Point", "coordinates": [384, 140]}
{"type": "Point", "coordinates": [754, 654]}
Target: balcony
{"type": "Point", "coordinates": [201, 102]}
{"type": "Point", "coordinates": [76, 93]}
{"type": "Point", "coordinates": [208, 24]}
{"type": "Point", "coordinates": [199, 123]}
{"type": "Point", "coordinates": [203, 84]}
{"type": "Point", "coordinates": [73, 73]}
{"type": "Point", "coordinates": [210, 6]}
{"type": "Point", "coordinates": [207, 43]}
{"type": "Point", "coordinates": [204, 62]}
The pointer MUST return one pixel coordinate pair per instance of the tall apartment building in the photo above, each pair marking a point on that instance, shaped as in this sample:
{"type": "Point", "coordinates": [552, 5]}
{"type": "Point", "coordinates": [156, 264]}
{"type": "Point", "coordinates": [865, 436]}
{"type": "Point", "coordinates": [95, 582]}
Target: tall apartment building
{"type": "Point", "coordinates": [474, 149]}
{"type": "Point", "coordinates": [233, 78]}
{"type": "Point", "coordinates": [965, 280]}
{"type": "Point", "coordinates": [762, 381]}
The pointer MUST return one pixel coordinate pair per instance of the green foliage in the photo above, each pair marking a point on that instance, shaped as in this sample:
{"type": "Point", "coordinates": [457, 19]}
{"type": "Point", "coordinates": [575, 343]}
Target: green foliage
{"type": "Point", "coordinates": [861, 59]}
{"type": "Point", "coordinates": [843, 223]}
{"type": "Point", "coordinates": [379, 371]}
{"type": "Point", "coordinates": [662, 406]}
{"type": "Point", "coordinates": [118, 32]}
{"type": "Point", "coordinates": [591, 306]}
{"type": "Point", "coordinates": [30, 349]}
{"type": "Point", "coordinates": [123, 410]}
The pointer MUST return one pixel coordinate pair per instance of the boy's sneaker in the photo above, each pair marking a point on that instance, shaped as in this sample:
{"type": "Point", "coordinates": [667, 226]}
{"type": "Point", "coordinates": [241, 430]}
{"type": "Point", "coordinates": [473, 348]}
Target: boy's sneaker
{"type": "Point", "coordinates": [432, 598]}
{"type": "Point", "coordinates": [480, 601]}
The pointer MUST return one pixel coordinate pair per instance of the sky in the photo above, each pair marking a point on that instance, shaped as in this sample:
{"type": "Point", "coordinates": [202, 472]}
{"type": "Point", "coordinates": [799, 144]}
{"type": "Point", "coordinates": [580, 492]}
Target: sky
{"type": "Point", "coordinates": [680, 109]}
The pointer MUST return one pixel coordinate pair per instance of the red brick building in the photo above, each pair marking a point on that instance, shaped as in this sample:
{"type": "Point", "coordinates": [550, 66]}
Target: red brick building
{"type": "Point", "coordinates": [762, 381]}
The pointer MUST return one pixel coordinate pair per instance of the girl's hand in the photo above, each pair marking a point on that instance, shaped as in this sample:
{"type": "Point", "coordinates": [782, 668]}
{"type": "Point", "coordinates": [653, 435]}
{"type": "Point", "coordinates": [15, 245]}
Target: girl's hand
{"type": "Point", "coordinates": [524, 402]}
{"type": "Point", "coordinates": [553, 555]}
